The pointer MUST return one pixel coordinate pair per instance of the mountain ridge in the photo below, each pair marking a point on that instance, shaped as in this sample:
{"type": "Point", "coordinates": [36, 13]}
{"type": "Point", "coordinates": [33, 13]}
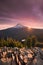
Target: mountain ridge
{"type": "Point", "coordinates": [22, 32]}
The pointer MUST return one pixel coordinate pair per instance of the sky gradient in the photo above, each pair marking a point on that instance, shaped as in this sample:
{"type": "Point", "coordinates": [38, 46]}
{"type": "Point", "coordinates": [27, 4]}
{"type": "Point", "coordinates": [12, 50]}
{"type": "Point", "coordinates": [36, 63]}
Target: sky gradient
{"type": "Point", "coordinates": [25, 12]}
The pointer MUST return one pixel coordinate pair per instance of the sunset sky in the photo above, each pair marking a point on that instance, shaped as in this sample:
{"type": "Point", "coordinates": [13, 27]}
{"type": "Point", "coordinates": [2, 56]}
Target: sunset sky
{"type": "Point", "coordinates": [25, 12]}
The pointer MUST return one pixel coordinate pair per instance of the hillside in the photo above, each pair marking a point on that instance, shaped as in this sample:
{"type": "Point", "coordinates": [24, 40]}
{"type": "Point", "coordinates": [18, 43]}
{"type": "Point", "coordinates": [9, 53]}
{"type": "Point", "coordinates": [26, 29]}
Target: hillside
{"type": "Point", "coordinates": [21, 32]}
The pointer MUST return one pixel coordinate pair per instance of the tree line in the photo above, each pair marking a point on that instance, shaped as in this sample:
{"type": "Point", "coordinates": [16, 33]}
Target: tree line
{"type": "Point", "coordinates": [29, 42]}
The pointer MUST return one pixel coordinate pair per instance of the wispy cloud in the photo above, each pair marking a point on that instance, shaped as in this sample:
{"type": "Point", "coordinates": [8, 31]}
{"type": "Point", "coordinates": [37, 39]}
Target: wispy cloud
{"type": "Point", "coordinates": [16, 11]}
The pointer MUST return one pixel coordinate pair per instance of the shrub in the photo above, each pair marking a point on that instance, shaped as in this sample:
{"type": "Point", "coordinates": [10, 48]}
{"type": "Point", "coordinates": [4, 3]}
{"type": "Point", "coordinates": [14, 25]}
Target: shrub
{"type": "Point", "coordinates": [10, 43]}
{"type": "Point", "coordinates": [28, 42]}
{"type": "Point", "coordinates": [34, 41]}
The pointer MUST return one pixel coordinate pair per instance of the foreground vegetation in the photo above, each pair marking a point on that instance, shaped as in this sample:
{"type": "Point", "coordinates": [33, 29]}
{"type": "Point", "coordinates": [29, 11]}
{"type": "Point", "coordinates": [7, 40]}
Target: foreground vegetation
{"type": "Point", "coordinates": [29, 42]}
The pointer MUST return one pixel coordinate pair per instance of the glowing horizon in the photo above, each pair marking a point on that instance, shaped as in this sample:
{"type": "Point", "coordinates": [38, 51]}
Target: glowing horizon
{"type": "Point", "coordinates": [5, 26]}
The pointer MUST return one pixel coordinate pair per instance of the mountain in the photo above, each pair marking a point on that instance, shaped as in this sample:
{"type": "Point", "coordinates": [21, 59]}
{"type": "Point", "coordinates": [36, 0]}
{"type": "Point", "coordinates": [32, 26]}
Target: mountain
{"type": "Point", "coordinates": [20, 32]}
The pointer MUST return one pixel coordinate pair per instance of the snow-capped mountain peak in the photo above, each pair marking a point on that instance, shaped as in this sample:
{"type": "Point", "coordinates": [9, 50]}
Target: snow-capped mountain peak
{"type": "Point", "coordinates": [19, 26]}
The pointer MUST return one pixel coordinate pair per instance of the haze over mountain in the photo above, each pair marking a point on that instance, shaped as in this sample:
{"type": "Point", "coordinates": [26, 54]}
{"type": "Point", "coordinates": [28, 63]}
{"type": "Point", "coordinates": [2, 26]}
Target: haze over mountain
{"type": "Point", "coordinates": [20, 32]}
